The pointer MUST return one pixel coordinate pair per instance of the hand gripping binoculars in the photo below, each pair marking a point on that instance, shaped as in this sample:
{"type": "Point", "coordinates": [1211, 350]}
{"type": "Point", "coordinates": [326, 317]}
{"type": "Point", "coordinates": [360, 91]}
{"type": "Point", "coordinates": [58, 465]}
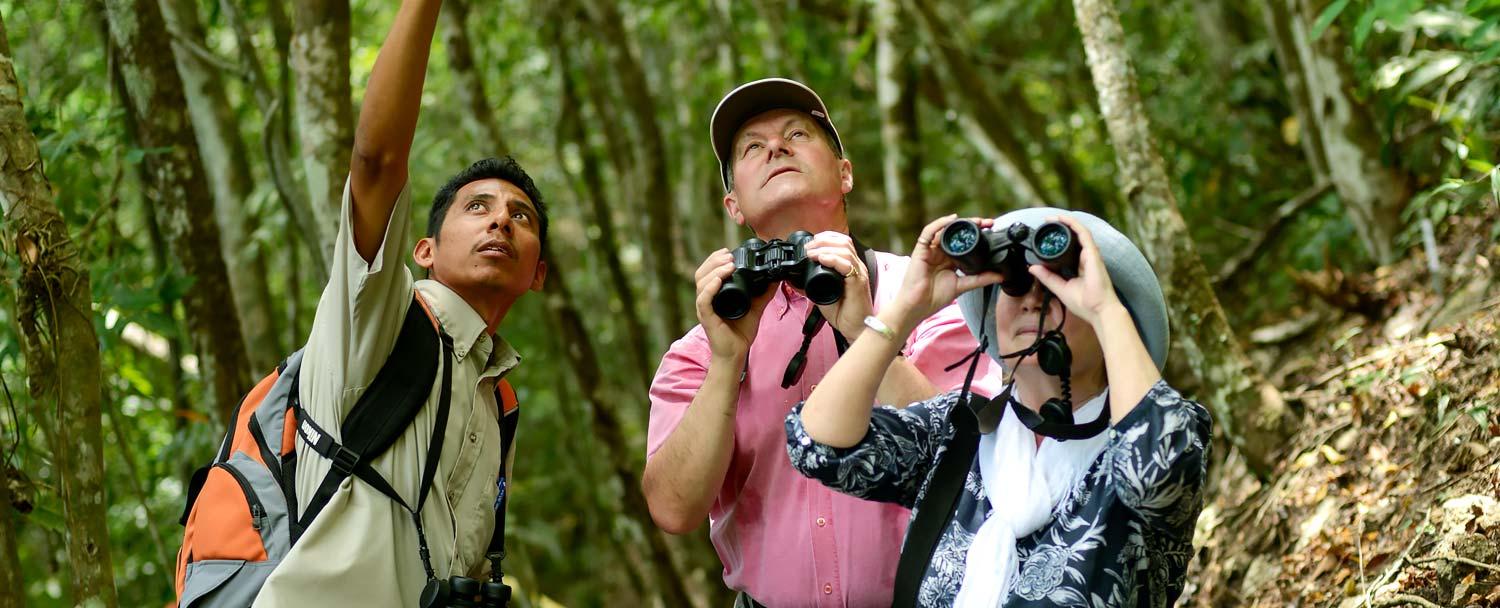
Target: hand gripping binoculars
{"type": "Point", "coordinates": [1011, 251]}
{"type": "Point", "coordinates": [758, 264]}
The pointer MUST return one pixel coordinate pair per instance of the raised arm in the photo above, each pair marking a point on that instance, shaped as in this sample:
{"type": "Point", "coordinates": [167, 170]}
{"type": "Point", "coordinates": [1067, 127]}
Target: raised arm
{"type": "Point", "coordinates": [388, 121]}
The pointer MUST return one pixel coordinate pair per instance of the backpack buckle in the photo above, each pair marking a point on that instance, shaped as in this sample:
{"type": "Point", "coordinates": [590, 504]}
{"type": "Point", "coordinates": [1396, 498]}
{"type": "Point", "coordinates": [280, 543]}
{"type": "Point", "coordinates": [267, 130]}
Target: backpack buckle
{"type": "Point", "coordinates": [344, 461]}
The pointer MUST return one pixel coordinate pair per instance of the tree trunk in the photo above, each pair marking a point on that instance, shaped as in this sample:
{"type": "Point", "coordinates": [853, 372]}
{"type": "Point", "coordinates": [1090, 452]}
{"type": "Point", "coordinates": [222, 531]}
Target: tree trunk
{"type": "Point", "coordinates": [54, 311]}
{"type": "Point", "coordinates": [468, 85]}
{"type": "Point", "coordinates": [984, 122]}
{"type": "Point", "coordinates": [1278, 26]}
{"type": "Point", "coordinates": [179, 188]}
{"type": "Point", "coordinates": [661, 235]}
{"type": "Point", "coordinates": [900, 140]}
{"type": "Point", "coordinates": [12, 587]}
{"type": "Point", "coordinates": [728, 64]}
{"type": "Point", "coordinates": [224, 157]}
{"type": "Point", "coordinates": [277, 141]}
{"type": "Point", "coordinates": [577, 342]}
{"type": "Point", "coordinates": [1251, 411]}
{"type": "Point", "coordinates": [325, 118]}
{"type": "Point", "coordinates": [1374, 192]}
{"type": "Point", "coordinates": [571, 130]}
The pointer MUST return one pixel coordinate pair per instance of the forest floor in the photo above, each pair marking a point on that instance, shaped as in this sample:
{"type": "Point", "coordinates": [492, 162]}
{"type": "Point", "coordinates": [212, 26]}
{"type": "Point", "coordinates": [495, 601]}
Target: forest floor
{"type": "Point", "coordinates": [1389, 493]}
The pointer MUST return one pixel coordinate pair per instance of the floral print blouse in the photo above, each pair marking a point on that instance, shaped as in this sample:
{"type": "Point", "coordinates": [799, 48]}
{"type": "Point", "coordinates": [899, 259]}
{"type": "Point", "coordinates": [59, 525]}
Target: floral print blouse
{"type": "Point", "coordinates": [1121, 537]}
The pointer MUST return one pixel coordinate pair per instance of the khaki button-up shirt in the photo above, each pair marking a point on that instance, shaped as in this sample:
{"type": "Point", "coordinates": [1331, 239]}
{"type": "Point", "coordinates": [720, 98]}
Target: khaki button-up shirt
{"type": "Point", "coordinates": [361, 550]}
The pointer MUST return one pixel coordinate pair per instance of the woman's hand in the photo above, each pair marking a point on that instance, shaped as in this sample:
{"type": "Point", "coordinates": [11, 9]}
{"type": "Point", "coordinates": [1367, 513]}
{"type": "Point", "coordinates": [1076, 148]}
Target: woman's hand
{"type": "Point", "coordinates": [1089, 295]}
{"type": "Point", "coordinates": [931, 282]}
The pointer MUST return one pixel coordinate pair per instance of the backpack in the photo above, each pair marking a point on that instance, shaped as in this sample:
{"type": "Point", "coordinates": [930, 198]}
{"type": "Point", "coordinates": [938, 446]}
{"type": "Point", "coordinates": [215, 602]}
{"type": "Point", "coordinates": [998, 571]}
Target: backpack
{"type": "Point", "coordinates": [241, 516]}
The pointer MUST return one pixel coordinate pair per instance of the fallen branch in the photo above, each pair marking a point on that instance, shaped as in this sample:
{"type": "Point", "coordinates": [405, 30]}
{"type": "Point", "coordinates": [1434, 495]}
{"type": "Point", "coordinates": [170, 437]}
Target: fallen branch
{"type": "Point", "coordinates": [1284, 213]}
{"type": "Point", "coordinates": [1461, 560]}
{"type": "Point", "coordinates": [1401, 599]}
{"type": "Point", "coordinates": [1379, 354]}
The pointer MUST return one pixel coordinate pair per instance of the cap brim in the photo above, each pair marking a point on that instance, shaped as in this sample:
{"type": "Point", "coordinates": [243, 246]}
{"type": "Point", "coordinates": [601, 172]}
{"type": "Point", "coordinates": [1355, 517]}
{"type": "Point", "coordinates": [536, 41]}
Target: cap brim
{"type": "Point", "coordinates": [754, 98]}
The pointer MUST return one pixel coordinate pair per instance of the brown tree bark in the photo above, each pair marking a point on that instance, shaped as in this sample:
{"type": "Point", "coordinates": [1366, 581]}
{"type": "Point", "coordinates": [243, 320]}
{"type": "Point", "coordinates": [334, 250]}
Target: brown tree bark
{"type": "Point", "coordinates": [1343, 140]}
{"type": "Point", "coordinates": [54, 311]}
{"type": "Point", "coordinates": [577, 343]}
{"type": "Point", "coordinates": [661, 219]}
{"type": "Point", "coordinates": [225, 158]}
{"type": "Point", "coordinates": [325, 116]}
{"type": "Point", "coordinates": [900, 140]}
{"type": "Point", "coordinates": [1251, 411]}
{"type": "Point", "coordinates": [468, 84]}
{"type": "Point", "coordinates": [175, 180]}
{"type": "Point", "coordinates": [12, 587]}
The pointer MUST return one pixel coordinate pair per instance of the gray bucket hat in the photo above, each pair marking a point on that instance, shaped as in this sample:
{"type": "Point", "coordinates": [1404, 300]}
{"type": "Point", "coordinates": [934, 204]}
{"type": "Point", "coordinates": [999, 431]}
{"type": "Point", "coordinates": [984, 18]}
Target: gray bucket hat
{"type": "Point", "coordinates": [1135, 282]}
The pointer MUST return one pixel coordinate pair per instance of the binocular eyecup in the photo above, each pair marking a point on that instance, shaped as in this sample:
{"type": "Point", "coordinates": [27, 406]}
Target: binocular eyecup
{"type": "Point", "coordinates": [465, 592]}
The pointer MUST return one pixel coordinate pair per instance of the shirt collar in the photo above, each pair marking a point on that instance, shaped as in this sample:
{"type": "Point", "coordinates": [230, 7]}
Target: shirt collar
{"type": "Point", "coordinates": [466, 327]}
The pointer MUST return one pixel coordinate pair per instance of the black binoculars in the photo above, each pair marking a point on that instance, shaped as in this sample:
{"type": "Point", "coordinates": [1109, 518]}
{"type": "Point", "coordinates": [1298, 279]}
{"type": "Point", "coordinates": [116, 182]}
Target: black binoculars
{"type": "Point", "coordinates": [1011, 251]}
{"type": "Point", "coordinates": [758, 264]}
{"type": "Point", "coordinates": [465, 592]}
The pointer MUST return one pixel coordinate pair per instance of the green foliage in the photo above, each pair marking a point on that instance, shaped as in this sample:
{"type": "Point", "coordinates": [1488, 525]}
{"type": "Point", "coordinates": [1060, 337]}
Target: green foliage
{"type": "Point", "coordinates": [1430, 72]}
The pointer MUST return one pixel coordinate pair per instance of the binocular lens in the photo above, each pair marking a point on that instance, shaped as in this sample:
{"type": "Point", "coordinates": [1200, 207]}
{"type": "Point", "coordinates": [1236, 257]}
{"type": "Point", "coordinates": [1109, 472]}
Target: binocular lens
{"type": "Point", "coordinates": [1053, 240]}
{"type": "Point", "coordinates": [959, 238]}
{"type": "Point", "coordinates": [732, 302]}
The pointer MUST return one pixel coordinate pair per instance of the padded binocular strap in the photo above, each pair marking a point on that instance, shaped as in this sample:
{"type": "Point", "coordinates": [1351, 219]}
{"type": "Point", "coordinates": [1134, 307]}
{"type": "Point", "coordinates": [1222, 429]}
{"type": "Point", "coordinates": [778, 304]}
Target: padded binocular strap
{"type": "Point", "coordinates": [937, 506]}
{"type": "Point", "coordinates": [383, 413]}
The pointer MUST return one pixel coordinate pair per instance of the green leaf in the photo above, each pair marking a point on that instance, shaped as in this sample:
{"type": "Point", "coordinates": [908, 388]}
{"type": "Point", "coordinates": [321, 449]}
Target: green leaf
{"type": "Point", "coordinates": [1495, 185]}
{"type": "Point", "coordinates": [48, 514]}
{"type": "Point", "coordinates": [1326, 19]}
{"type": "Point", "coordinates": [1363, 27]}
{"type": "Point", "coordinates": [137, 380]}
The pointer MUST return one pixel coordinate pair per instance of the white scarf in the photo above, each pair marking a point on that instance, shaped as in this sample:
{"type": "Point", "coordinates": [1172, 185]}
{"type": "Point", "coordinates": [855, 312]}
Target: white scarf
{"type": "Point", "coordinates": [1024, 482]}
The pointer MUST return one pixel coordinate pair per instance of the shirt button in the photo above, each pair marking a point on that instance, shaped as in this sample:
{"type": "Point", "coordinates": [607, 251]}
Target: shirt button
{"type": "Point", "coordinates": [814, 387]}
{"type": "Point", "coordinates": [822, 522]}
{"type": "Point", "coordinates": [827, 589]}
{"type": "Point", "coordinates": [473, 437]}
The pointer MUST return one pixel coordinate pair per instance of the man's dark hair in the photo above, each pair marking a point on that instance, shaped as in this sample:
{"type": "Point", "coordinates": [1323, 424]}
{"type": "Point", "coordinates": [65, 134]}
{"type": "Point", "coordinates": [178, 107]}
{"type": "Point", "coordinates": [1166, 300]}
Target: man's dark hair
{"type": "Point", "coordinates": [504, 169]}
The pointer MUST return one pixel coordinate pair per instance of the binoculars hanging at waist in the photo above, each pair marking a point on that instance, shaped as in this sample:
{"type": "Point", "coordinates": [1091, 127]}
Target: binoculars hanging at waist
{"type": "Point", "coordinates": [1011, 250]}
{"type": "Point", "coordinates": [758, 264]}
{"type": "Point", "coordinates": [465, 592]}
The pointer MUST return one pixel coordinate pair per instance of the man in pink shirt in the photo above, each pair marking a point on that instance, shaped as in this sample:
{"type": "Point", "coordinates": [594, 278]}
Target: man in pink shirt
{"type": "Point", "coordinates": [716, 445]}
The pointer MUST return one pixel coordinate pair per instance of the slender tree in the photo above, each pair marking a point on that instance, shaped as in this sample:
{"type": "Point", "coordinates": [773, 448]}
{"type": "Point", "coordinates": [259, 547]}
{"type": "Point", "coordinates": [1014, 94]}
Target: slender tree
{"type": "Point", "coordinates": [325, 114]}
{"type": "Point", "coordinates": [275, 107]}
{"type": "Point", "coordinates": [900, 141]}
{"type": "Point", "coordinates": [224, 157]}
{"type": "Point", "coordinates": [1250, 410]}
{"type": "Point", "coordinates": [1342, 140]}
{"type": "Point", "coordinates": [583, 361]}
{"type": "Point", "coordinates": [54, 311]}
{"type": "Point", "coordinates": [12, 587]}
{"type": "Point", "coordinates": [468, 84]}
{"type": "Point", "coordinates": [661, 237]}
{"type": "Point", "coordinates": [985, 120]}
{"type": "Point", "coordinates": [603, 241]}
{"type": "Point", "coordinates": [174, 179]}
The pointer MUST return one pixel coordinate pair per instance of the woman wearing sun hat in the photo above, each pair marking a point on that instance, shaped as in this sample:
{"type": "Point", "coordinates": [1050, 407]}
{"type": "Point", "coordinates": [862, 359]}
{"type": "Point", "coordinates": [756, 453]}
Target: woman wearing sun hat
{"type": "Point", "coordinates": [1097, 519]}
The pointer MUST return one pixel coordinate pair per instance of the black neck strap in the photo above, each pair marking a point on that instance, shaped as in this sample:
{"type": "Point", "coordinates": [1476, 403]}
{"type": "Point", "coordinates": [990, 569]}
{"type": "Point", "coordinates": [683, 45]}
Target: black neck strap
{"type": "Point", "coordinates": [815, 321]}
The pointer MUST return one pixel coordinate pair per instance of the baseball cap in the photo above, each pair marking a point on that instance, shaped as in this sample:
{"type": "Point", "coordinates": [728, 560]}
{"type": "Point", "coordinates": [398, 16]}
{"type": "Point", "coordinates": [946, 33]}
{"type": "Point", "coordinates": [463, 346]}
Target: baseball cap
{"type": "Point", "coordinates": [753, 98]}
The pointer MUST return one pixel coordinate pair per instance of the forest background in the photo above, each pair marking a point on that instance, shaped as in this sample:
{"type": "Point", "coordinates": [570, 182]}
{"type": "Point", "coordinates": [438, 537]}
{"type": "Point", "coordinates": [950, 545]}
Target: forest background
{"type": "Point", "coordinates": [1315, 181]}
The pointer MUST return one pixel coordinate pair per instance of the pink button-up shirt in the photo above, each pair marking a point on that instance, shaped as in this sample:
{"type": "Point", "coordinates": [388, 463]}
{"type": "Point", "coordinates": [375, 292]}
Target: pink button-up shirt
{"type": "Point", "coordinates": [785, 539]}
